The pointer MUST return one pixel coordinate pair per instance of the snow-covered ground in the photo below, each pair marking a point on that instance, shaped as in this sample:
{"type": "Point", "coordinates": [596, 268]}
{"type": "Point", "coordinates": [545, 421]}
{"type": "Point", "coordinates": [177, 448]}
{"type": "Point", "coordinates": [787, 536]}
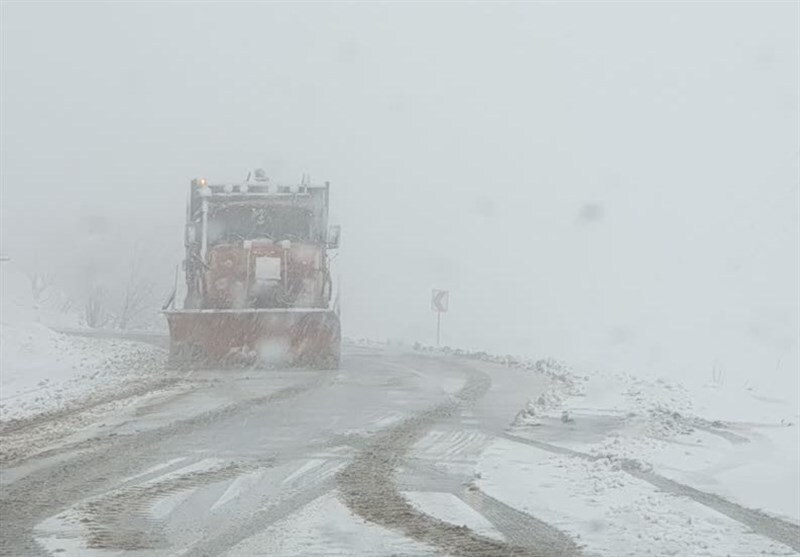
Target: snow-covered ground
{"type": "Point", "coordinates": [731, 441]}
{"type": "Point", "coordinates": [609, 512]}
{"type": "Point", "coordinates": [43, 371]}
{"type": "Point", "coordinates": [618, 462]}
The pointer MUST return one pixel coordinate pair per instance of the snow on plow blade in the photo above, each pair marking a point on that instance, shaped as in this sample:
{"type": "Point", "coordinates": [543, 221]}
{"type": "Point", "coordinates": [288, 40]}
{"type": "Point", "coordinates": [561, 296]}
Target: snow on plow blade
{"type": "Point", "coordinates": [254, 337]}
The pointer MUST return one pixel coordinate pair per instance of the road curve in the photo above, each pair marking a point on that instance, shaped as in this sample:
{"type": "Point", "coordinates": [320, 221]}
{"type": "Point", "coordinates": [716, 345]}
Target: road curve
{"type": "Point", "coordinates": [231, 460]}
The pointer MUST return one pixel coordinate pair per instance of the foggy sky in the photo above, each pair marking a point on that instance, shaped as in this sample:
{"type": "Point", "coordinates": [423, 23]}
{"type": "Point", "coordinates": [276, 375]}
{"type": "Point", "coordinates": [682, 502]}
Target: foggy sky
{"type": "Point", "coordinates": [612, 184]}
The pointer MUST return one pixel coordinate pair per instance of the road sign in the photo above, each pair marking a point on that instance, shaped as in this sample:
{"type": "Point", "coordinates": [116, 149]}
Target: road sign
{"type": "Point", "coordinates": [440, 300]}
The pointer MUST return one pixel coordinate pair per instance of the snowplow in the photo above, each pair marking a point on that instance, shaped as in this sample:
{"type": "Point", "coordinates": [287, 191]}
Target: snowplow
{"type": "Point", "coordinates": [255, 287]}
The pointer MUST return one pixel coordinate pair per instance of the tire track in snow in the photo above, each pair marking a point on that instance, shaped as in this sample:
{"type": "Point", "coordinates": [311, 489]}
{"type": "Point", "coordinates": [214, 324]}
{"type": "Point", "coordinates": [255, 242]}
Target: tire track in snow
{"type": "Point", "coordinates": [761, 523]}
{"type": "Point", "coordinates": [120, 519]}
{"type": "Point", "coordinates": [518, 527]}
{"type": "Point", "coordinates": [44, 492]}
{"type": "Point", "coordinates": [367, 488]}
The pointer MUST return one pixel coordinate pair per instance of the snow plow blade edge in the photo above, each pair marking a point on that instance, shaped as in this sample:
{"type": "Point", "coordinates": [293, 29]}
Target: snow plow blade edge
{"type": "Point", "coordinates": [254, 338]}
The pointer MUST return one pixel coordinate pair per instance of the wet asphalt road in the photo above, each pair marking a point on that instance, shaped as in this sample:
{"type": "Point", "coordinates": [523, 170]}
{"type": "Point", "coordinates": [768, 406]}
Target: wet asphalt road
{"type": "Point", "coordinates": [282, 462]}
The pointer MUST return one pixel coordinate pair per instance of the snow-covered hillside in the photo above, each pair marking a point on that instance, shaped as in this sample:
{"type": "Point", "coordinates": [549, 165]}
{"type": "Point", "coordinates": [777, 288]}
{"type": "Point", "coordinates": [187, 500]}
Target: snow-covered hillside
{"type": "Point", "coordinates": [44, 371]}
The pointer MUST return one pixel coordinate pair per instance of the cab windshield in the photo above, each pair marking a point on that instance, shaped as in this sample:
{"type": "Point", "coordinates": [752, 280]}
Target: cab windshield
{"type": "Point", "coordinates": [233, 223]}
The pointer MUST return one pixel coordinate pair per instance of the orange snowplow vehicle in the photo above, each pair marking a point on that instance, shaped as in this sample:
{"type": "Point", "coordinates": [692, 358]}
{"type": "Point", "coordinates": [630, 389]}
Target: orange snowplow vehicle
{"type": "Point", "coordinates": [257, 287]}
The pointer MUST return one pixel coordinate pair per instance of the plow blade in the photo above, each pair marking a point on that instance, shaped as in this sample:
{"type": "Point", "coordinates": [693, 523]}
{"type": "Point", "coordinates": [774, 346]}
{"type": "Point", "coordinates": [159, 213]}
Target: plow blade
{"type": "Point", "coordinates": [254, 337]}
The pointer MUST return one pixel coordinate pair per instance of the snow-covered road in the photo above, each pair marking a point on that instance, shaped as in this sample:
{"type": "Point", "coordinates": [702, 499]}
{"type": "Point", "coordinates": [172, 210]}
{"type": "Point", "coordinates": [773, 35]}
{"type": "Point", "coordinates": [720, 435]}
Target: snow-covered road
{"type": "Point", "coordinates": [397, 453]}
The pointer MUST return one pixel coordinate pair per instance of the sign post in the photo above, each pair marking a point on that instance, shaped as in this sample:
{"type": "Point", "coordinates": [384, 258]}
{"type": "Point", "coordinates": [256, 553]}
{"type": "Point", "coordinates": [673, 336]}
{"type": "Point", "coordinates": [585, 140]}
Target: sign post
{"type": "Point", "coordinates": [440, 302]}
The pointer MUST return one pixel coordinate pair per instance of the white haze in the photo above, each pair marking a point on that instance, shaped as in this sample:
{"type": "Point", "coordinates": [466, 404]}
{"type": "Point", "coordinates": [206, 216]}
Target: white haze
{"type": "Point", "coordinates": [614, 184]}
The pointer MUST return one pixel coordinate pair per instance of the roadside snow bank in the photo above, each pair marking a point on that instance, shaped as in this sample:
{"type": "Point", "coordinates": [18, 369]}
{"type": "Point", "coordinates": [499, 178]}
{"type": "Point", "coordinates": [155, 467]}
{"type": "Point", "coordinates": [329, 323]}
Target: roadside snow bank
{"type": "Point", "coordinates": [634, 466]}
{"type": "Point", "coordinates": [42, 371]}
{"type": "Point", "coordinates": [734, 442]}
{"type": "Point", "coordinates": [609, 512]}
